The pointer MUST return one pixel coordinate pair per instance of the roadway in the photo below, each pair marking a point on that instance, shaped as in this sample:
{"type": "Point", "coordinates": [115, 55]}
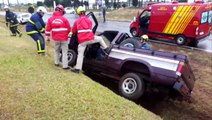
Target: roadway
{"type": "Point", "coordinates": [204, 44]}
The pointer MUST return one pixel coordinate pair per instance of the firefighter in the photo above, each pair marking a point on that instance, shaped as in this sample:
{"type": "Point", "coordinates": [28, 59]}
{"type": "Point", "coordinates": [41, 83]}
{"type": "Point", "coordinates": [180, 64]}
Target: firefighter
{"type": "Point", "coordinates": [12, 22]}
{"type": "Point", "coordinates": [83, 28]}
{"type": "Point", "coordinates": [144, 44]}
{"type": "Point", "coordinates": [59, 27]}
{"type": "Point", "coordinates": [35, 26]}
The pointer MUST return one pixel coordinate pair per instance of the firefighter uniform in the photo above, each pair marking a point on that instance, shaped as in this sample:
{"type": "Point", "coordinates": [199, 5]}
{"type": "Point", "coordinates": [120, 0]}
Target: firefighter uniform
{"type": "Point", "coordinates": [83, 28]}
{"type": "Point", "coordinates": [59, 27]}
{"type": "Point", "coordinates": [34, 27]}
{"type": "Point", "coordinates": [12, 22]}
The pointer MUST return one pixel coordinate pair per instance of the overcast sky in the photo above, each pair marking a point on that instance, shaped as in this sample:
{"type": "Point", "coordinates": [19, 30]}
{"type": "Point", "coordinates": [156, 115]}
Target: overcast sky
{"type": "Point", "coordinates": [20, 1]}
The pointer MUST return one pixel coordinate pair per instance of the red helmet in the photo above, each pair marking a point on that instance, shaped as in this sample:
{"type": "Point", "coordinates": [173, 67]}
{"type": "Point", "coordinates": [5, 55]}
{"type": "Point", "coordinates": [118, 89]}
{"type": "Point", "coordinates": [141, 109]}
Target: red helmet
{"type": "Point", "coordinates": [60, 7]}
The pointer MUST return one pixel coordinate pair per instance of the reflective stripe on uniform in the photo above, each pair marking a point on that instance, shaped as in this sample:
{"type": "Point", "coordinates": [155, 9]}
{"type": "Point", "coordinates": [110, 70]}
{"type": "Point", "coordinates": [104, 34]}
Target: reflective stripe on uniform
{"type": "Point", "coordinates": [31, 22]}
{"type": "Point", "coordinates": [39, 46]}
{"type": "Point", "coordinates": [18, 30]}
{"type": "Point", "coordinates": [88, 30]}
{"type": "Point", "coordinates": [32, 32]}
{"type": "Point", "coordinates": [14, 25]}
{"type": "Point", "coordinates": [42, 30]}
{"type": "Point", "coordinates": [41, 51]}
{"type": "Point", "coordinates": [47, 32]}
{"type": "Point", "coordinates": [59, 29]}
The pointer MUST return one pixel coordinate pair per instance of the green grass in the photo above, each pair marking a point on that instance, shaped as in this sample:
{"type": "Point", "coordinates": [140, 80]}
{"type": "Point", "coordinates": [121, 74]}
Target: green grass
{"type": "Point", "coordinates": [31, 87]}
{"type": "Point", "coordinates": [123, 14]}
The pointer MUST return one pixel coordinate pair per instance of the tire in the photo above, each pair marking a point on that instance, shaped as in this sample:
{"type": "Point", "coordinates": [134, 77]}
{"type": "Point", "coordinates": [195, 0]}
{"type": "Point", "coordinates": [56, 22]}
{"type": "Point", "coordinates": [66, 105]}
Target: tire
{"type": "Point", "coordinates": [72, 57]}
{"type": "Point", "coordinates": [131, 42]}
{"type": "Point", "coordinates": [180, 40]}
{"type": "Point", "coordinates": [133, 32]}
{"type": "Point", "coordinates": [131, 86]}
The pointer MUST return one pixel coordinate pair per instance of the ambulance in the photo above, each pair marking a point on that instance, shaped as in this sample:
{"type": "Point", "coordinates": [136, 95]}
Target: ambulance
{"type": "Point", "coordinates": [181, 23]}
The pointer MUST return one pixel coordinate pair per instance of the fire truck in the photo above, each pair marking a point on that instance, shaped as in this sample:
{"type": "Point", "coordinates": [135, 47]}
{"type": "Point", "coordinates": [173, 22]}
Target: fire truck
{"type": "Point", "coordinates": [181, 23]}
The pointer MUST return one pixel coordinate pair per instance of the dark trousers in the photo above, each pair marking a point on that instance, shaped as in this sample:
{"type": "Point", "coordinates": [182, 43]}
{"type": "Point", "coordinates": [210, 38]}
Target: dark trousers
{"type": "Point", "coordinates": [40, 41]}
{"type": "Point", "coordinates": [104, 18]}
{"type": "Point", "coordinates": [15, 30]}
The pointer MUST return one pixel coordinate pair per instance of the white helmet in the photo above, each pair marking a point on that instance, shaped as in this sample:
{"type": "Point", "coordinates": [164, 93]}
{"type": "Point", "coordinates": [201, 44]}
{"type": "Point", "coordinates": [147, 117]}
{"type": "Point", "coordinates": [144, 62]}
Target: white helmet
{"type": "Point", "coordinates": [42, 9]}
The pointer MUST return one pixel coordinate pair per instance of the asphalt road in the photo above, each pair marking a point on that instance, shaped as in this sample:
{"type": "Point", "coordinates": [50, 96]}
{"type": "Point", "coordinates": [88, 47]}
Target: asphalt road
{"type": "Point", "coordinates": [204, 44]}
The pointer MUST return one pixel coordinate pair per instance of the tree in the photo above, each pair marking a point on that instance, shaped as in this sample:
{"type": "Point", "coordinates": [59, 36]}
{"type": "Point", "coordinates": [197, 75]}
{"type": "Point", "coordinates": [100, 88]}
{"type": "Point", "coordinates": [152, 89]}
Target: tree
{"type": "Point", "coordinates": [76, 3]}
{"type": "Point", "coordinates": [48, 3]}
{"type": "Point", "coordinates": [65, 3]}
{"type": "Point", "coordinates": [86, 4]}
{"type": "Point", "coordinates": [107, 3]}
{"type": "Point", "coordinates": [134, 3]}
{"type": "Point", "coordinates": [39, 3]}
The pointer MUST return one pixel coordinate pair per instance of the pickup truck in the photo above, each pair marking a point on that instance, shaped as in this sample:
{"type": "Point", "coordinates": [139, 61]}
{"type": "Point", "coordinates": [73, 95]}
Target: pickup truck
{"type": "Point", "coordinates": [136, 69]}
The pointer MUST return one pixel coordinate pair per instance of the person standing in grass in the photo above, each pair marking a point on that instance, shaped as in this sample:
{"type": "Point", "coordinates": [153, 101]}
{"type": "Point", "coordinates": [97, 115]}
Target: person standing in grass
{"type": "Point", "coordinates": [35, 26]}
{"type": "Point", "coordinates": [83, 29]}
{"type": "Point", "coordinates": [60, 28]}
{"type": "Point", "coordinates": [12, 22]}
{"type": "Point", "coordinates": [104, 12]}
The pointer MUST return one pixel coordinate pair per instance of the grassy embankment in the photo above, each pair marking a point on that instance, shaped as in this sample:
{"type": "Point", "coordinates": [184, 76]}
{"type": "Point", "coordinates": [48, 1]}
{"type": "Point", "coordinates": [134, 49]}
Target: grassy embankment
{"type": "Point", "coordinates": [201, 63]}
{"type": "Point", "coordinates": [31, 87]}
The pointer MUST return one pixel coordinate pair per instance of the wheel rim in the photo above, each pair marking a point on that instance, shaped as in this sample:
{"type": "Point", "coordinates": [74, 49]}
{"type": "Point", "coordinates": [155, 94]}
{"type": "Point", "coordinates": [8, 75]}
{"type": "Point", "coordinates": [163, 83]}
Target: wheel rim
{"type": "Point", "coordinates": [129, 45]}
{"type": "Point", "coordinates": [129, 85]}
{"type": "Point", "coordinates": [180, 40]}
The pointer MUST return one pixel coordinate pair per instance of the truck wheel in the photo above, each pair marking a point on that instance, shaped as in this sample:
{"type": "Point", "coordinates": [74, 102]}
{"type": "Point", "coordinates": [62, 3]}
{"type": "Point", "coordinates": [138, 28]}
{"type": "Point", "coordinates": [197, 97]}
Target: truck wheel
{"type": "Point", "coordinates": [180, 40]}
{"type": "Point", "coordinates": [133, 32]}
{"type": "Point", "coordinates": [131, 86]}
{"type": "Point", "coordinates": [72, 56]}
{"type": "Point", "coordinates": [131, 42]}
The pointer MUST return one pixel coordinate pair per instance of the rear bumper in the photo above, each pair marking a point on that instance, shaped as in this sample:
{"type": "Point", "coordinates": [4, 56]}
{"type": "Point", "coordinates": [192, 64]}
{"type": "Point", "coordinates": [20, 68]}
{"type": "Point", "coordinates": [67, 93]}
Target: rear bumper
{"type": "Point", "coordinates": [183, 90]}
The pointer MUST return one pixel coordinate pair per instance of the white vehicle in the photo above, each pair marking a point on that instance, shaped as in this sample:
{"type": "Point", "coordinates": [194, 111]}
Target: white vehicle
{"type": "Point", "coordinates": [23, 17]}
{"type": "Point", "coordinates": [69, 10]}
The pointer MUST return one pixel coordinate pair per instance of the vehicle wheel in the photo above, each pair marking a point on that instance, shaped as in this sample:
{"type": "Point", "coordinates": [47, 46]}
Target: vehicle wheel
{"type": "Point", "coordinates": [133, 32]}
{"type": "Point", "coordinates": [180, 40]}
{"type": "Point", "coordinates": [72, 57]}
{"type": "Point", "coordinates": [131, 86]}
{"type": "Point", "coordinates": [131, 42]}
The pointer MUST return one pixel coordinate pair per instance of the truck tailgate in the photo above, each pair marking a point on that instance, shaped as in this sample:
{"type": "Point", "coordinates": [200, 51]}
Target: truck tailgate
{"type": "Point", "coordinates": [188, 76]}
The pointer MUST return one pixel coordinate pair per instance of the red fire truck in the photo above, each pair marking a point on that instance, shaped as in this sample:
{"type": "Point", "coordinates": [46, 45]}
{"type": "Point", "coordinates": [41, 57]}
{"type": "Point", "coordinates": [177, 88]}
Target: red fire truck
{"type": "Point", "coordinates": [182, 23]}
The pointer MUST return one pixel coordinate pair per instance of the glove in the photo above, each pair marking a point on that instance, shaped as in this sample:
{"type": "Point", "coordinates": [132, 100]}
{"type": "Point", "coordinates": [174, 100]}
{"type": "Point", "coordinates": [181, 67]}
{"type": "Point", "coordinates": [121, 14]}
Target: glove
{"type": "Point", "coordinates": [7, 24]}
{"type": "Point", "coordinates": [70, 34]}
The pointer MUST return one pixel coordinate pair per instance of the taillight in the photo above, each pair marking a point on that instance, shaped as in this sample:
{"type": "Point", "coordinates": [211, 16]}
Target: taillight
{"type": "Point", "coordinates": [180, 68]}
{"type": "Point", "coordinates": [196, 31]}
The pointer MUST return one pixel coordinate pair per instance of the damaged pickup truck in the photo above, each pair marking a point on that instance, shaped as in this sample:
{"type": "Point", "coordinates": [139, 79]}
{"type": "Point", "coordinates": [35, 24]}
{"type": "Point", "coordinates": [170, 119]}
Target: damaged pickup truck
{"type": "Point", "coordinates": [136, 69]}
